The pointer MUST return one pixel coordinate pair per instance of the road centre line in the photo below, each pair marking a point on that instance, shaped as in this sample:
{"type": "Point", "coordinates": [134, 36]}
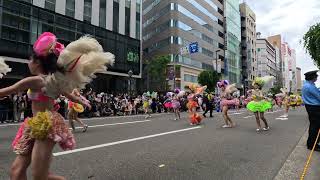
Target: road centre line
{"type": "Point", "coordinates": [113, 124]}
{"type": "Point", "coordinates": [123, 141]}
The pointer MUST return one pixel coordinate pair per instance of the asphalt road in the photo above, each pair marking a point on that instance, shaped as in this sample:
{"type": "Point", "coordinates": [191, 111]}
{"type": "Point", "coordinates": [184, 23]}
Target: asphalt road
{"type": "Point", "coordinates": [133, 148]}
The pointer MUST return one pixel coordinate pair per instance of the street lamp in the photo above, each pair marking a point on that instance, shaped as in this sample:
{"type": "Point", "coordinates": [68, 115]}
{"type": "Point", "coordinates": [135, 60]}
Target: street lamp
{"type": "Point", "coordinates": [130, 73]}
{"type": "Point", "coordinates": [217, 59]}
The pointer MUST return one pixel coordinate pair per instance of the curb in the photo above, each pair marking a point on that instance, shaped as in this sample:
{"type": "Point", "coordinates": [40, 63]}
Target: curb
{"type": "Point", "coordinates": [293, 166]}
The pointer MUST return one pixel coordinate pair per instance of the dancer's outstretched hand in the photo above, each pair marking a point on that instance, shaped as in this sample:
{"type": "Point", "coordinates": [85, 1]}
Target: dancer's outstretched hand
{"type": "Point", "coordinates": [87, 104]}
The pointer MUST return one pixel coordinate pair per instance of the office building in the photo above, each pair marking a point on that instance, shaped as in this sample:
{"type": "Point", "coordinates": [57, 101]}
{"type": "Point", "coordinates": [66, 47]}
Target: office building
{"type": "Point", "coordinates": [289, 67]}
{"type": "Point", "coordinates": [232, 63]}
{"type": "Point", "coordinates": [276, 41]}
{"type": "Point", "coordinates": [171, 25]}
{"type": "Point", "coordinates": [115, 24]}
{"type": "Point", "coordinates": [298, 79]}
{"type": "Point", "coordinates": [248, 44]}
{"type": "Point", "coordinates": [266, 58]}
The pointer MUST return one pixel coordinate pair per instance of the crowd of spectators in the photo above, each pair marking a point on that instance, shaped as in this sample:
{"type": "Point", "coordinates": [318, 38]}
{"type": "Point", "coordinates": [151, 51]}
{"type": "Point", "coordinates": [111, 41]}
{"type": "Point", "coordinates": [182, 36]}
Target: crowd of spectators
{"type": "Point", "coordinates": [16, 107]}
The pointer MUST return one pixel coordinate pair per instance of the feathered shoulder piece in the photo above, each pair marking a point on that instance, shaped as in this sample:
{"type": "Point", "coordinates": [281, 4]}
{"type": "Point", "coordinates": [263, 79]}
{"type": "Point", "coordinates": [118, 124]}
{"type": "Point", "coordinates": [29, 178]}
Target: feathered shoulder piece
{"type": "Point", "coordinates": [81, 60]}
{"type": "Point", "coordinates": [4, 68]}
{"type": "Point", "coordinates": [222, 83]}
{"type": "Point", "coordinates": [264, 82]}
{"type": "Point", "coordinates": [230, 89]}
{"type": "Point", "coordinates": [195, 88]}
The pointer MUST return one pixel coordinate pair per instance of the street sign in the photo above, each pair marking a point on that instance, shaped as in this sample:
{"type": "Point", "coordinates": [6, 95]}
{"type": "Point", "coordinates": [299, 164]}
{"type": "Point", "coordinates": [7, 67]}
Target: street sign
{"type": "Point", "coordinates": [184, 50]}
{"type": "Point", "coordinates": [171, 74]}
{"type": "Point", "coordinates": [193, 47]}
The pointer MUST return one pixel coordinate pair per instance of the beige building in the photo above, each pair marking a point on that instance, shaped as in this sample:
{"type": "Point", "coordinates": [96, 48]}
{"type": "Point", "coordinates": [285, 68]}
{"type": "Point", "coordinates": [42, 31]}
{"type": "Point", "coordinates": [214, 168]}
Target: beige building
{"type": "Point", "coordinates": [276, 42]}
{"type": "Point", "coordinates": [248, 43]}
{"type": "Point", "coordinates": [266, 58]}
{"type": "Point", "coordinates": [299, 81]}
{"type": "Point", "coordinates": [173, 24]}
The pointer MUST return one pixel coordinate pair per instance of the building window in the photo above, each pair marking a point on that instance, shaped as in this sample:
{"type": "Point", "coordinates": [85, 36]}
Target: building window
{"type": "Point", "coordinates": [87, 11]}
{"type": "Point", "coordinates": [70, 8]}
{"type": "Point", "coordinates": [50, 4]}
{"type": "Point", "coordinates": [102, 14]}
{"type": "Point", "coordinates": [116, 15]}
{"type": "Point", "coordinates": [127, 17]}
{"type": "Point", "coordinates": [190, 78]}
{"type": "Point", "coordinates": [138, 9]}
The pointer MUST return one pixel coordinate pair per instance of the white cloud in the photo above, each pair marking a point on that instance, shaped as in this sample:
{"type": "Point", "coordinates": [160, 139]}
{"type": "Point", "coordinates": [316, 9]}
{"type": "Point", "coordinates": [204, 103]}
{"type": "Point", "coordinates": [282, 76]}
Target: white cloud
{"type": "Point", "coordinates": [291, 19]}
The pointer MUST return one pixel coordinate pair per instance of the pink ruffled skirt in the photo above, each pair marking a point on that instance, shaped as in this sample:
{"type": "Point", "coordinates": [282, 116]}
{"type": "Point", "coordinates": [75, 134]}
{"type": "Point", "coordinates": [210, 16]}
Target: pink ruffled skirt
{"type": "Point", "coordinates": [226, 102]}
{"type": "Point", "coordinates": [59, 133]}
{"type": "Point", "coordinates": [175, 104]}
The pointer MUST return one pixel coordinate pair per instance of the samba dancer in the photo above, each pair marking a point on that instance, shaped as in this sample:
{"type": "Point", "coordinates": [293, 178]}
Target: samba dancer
{"type": "Point", "coordinates": [226, 100]}
{"type": "Point", "coordinates": [57, 71]}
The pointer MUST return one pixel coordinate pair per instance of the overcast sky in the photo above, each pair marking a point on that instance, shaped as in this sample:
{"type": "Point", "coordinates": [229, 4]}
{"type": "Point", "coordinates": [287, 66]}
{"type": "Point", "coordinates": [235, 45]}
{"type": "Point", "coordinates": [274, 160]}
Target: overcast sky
{"type": "Point", "coordinates": [291, 19]}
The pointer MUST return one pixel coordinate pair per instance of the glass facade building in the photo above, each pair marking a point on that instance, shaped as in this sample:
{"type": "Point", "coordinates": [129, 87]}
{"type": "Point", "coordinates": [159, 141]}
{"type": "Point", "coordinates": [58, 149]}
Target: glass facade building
{"type": "Point", "coordinates": [170, 25]}
{"type": "Point", "coordinates": [22, 22]}
{"type": "Point", "coordinates": [233, 40]}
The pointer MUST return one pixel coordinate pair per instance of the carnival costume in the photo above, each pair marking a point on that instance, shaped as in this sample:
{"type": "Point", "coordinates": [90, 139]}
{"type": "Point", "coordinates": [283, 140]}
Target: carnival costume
{"type": "Point", "coordinates": [4, 68]}
{"type": "Point", "coordinates": [226, 91]}
{"type": "Point", "coordinates": [175, 103]}
{"type": "Point", "coordinates": [299, 100]}
{"type": "Point", "coordinates": [226, 98]}
{"type": "Point", "coordinates": [195, 90]}
{"type": "Point", "coordinates": [81, 59]}
{"type": "Point", "coordinates": [258, 103]}
{"type": "Point", "coordinates": [292, 100]}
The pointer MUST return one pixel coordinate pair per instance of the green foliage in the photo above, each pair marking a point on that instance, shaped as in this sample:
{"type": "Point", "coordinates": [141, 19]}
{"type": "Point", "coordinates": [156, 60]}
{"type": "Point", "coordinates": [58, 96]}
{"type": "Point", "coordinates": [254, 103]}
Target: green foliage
{"type": "Point", "coordinates": [158, 70]}
{"type": "Point", "coordinates": [275, 90]}
{"type": "Point", "coordinates": [209, 78]}
{"type": "Point", "coordinates": [312, 43]}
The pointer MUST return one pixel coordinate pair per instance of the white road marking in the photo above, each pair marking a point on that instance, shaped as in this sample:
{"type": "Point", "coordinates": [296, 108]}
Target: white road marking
{"type": "Point", "coordinates": [248, 117]}
{"type": "Point", "coordinates": [5, 125]}
{"type": "Point", "coordinates": [122, 141]}
{"type": "Point", "coordinates": [236, 113]}
{"type": "Point", "coordinates": [265, 113]}
{"type": "Point", "coordinates": [282, 119]}
{"type": "Point", "coordinates": [101, 125]}
{"type": "Point", "coordinates": [273, 112]}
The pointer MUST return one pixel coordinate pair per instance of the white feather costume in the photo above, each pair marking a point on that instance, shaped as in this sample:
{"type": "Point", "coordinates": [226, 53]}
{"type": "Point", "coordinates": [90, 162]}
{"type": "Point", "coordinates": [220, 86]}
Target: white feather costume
{"type": "Point", "coordinates": [4, 68]}
{"type": "Point", "coordinates": [81, 60]}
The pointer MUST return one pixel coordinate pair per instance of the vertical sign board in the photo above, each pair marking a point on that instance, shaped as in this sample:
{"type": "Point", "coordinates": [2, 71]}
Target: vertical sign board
{"type": "Point", "coordinates": [193, 47]}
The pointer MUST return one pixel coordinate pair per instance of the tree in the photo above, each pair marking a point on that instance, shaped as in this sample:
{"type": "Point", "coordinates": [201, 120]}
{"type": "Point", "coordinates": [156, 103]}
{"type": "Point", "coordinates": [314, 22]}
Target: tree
{"type": "Point", "coordinates": [158, 72]}
{"type": "Point", "coordinates": [275, 89]}
{"type": "Point", "coordinates": [209, 78]}
{"type": "Point", "coordinates": [312, 43]}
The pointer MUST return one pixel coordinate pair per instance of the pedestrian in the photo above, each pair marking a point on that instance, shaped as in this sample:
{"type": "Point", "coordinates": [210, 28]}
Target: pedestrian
{"type": "Point", "coordinates": [57, 70]}
{"type": "Point", "coordinates": [208, 101]}
{"type": "Point", "coordinates": [311, 99]}
{"type": "Point", "coordinates": [259, 105]}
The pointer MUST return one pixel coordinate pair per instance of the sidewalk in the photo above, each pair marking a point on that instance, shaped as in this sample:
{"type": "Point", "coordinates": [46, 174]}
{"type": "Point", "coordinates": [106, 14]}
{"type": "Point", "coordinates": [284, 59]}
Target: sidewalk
{"type": "Point", "coordinates": [294, 165]}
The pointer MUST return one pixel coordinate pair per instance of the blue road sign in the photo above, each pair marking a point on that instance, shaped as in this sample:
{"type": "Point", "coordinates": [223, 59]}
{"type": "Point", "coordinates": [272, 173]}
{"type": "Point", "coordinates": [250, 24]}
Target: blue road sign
{"type": "Point", "coordinates": [193, 47]}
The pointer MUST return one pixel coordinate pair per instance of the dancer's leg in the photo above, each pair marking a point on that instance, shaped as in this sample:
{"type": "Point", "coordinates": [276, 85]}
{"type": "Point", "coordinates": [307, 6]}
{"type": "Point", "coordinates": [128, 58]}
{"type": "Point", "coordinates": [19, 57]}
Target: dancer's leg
{"type": "Point", "coordinates": [41, 158]}
{"type": "Point", "coordinates": [226, 117]}
{"type": "Point", "coordinates": [19, 167]}
{"type": "Point", "coordinates": [229, 119]}
{"type": "Point", "coordinates": [264, 120]}
{"type": "Point", "coordinates": [257, 120]}
{"type": "Point", "coordinates": [70, 118]}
